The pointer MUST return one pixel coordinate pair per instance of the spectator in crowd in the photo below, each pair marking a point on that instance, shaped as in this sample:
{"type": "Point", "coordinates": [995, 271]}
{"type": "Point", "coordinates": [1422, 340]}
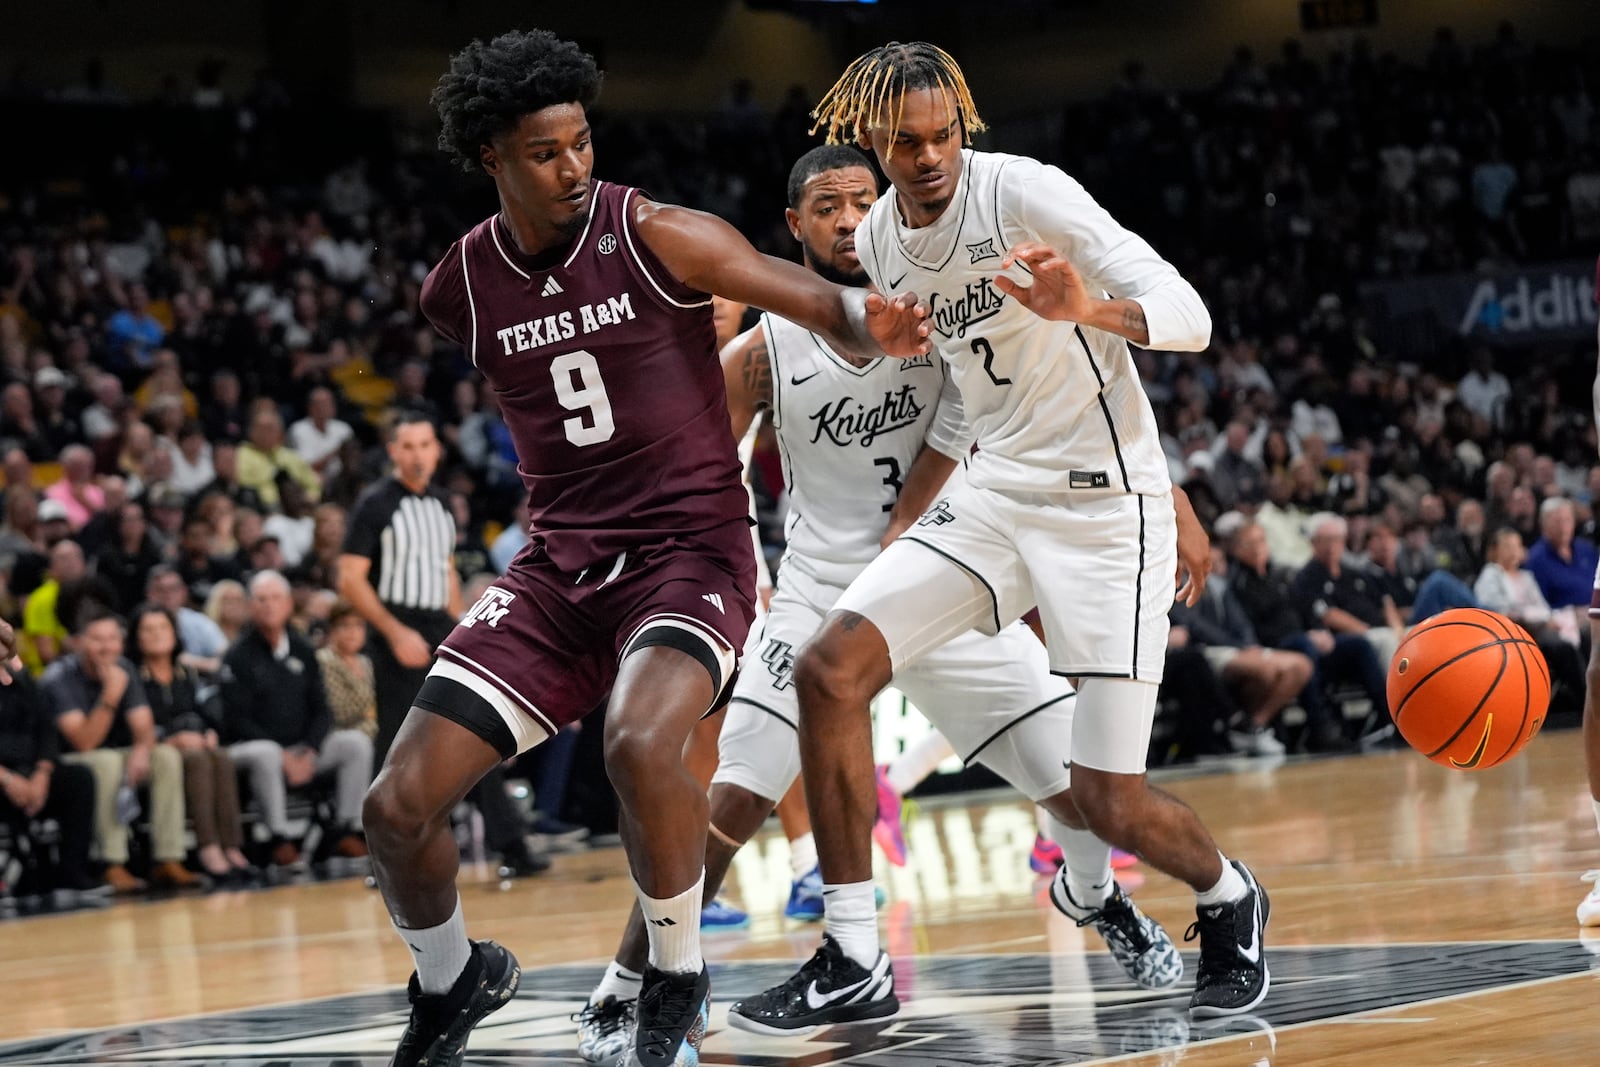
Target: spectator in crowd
{"type": "Point", "coordinates": [127, 562]}
{"type": "Point", "coordinates": [44, 633]}
{"type": "Point", "coordinates": [1203, 707]}
{"type": "Point", "coordinates": [197, 565]}
{"type": "Point", "coordinates": [1233, 474]}
{"type": "Point", "coordinates": [1563, 564]}
{"type": "Point", "coordinates": [264, 455]}
{"type": "Point", "coordinates": [1345, 599]}
{"type": "Point", "coordinates": [19, 532]}
{"type": "Point", "coordinates": [317, 437]}
{"type": "Point", "coordinates": [36, 784]}
{"type": "Point", "coordinates": [75, 490]}
{"type": "Point", "coordinates": [1505, 587]}
{"type": "Point", "coordinates": [201, 642]}
{"type": "Point", "coordinates": [292, 523]}
{"type": "Point", "coordinates": [1484, 390]}
{"type": "Point", "coordinates": [1464, 544]}
{"type": "Point", "coordinates": [224, 417]}
{"type": "Point", "coordinates": [19, 426]}
{"type": "Point", "coordinates": [278, 727]}
{"type": "Point", "coordinates": [57, 424]}
{"type": "Point", "coordinates": [192, 470]}
{"type": "Point", "coordinates": [225, 461]}
{"type": "Point", "coordinates": [347, 672]}
{"type": "Point", "coordinates": [1415, 598]}
{"type": "Point", "coordinates": [133, 334]}
{"type": "Point", "coordinates": [186, 714]}
{"type": "Point", "coordinates": [1266, 592]}
{"type": "Point", "coordinates": [102, 420]}
{"type": "Point", "coordinates": [1264, 681]}
{"type": "Point", "coordinates": [105, 724]}
{"type": "Point", "coordinates": [471, 554]}
{"type": "Point", "coordinates": [229, 608]}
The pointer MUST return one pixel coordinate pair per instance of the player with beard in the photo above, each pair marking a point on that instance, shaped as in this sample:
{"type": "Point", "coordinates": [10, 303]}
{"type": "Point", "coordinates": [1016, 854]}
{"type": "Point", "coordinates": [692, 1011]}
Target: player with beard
{"type": "Point", "coordinates": [867, 444]}
{"type": "Point", "coordinates": [587, 308]}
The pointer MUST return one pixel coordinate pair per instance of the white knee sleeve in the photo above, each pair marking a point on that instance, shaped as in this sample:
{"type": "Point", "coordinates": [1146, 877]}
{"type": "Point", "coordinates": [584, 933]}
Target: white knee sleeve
{"type": "Point", "coordinates": [758, 751]}
{"type": "Point", "coordinates": [1111, 724]}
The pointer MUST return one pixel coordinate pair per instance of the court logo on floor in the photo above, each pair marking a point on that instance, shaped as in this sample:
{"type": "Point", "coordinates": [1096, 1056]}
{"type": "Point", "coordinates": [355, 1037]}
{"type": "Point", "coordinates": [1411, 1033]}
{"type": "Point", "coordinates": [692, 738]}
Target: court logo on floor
{"type": "Point", "coordinates": [999, 1011]}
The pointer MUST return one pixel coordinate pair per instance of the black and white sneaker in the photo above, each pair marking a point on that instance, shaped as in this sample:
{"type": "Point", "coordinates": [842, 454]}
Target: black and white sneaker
{"type": "Point", "coordinates": [605, 1031]}
{"type": "Point", "coordinates": [1138, 943]}
{"type": "Point", "coordinates": [671, 1019]}
{"type": "Point", "coordinates": [1232, 977]}
{"type": "Point", "coordinates": [436, 1035]}
{"type": "Point", "coordinates": [830, 989]}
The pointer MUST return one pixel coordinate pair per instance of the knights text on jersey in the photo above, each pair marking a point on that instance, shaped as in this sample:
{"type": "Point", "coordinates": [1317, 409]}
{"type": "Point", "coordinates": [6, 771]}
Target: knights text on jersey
{"type": "Point", "coordinates": [1055, 406]}
{"type": "Point", "coordinates": [847, 435]}
{"type": "Point", "coordinates": [606, 370]}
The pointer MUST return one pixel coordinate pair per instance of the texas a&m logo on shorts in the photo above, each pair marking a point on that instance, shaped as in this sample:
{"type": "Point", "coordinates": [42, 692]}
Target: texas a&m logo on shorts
{"type": "Point", "coordinates": [490, 608]}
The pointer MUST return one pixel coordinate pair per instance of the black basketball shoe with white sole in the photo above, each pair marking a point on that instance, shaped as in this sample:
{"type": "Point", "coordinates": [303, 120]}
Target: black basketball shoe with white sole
{"type": "Point", "coordinates": [436, 1035]}
{"type": "Point", "coordinates": [1232, 977]}
{"type": "Point", "coordinates": [830, 989]}
{"type": "Point", "coordinates": [671, 1018]}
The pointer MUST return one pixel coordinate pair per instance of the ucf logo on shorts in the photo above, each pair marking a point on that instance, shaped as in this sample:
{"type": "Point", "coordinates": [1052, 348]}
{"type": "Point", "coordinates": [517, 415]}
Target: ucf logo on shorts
{"type": "Point", "coordinates": [779, 658]}
{"type": "Point", "coordinates": [937, 515]}
{"type": "Point", "coordinates": [490, 608]}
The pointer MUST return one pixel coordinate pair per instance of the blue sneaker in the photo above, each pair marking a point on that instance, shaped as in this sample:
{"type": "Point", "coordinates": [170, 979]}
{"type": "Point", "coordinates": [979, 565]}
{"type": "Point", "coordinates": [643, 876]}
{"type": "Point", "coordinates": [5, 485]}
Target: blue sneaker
{"type": "Point", "coordinates": [720, 915]}
{"type": "Point", "coordinates": [805, 897]}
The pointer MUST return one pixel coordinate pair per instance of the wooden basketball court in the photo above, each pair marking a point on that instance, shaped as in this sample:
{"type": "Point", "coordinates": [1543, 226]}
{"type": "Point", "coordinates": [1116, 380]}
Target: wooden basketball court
{"type": "Point", "coordinates": [1419, 916]}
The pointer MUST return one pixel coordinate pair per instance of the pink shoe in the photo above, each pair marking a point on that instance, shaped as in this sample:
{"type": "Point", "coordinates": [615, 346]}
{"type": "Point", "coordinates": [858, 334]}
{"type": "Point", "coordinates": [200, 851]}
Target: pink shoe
{"type": "Point", "coordinates": [887, 830]}
{"type": "Point", "coordinates": [1121, 861]}
{"type": "Point", "coordinates": [1046, 857]}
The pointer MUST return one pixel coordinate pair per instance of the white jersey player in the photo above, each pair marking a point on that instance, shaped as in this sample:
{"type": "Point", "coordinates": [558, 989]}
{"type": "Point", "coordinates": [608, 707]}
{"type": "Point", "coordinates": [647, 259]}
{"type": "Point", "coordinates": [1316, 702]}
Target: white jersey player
{"type": "Point", "coordinates": [1033, 292]}
{"type": "Point", "coordinates": [865, 445]}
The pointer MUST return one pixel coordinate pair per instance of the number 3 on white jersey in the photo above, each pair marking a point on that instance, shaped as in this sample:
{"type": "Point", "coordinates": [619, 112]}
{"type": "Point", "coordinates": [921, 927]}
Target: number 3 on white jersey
{"type": "Point", "coordinates": [588, 394]}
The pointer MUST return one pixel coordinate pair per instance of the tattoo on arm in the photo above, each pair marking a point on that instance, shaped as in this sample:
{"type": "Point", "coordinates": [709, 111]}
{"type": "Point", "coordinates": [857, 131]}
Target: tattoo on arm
{"type": "Point", "coordinates": [1133, 319]}
{"type": "Point", "coordinates": [849, 620]}
{"type": "Point", "coordinates": [757, 373]}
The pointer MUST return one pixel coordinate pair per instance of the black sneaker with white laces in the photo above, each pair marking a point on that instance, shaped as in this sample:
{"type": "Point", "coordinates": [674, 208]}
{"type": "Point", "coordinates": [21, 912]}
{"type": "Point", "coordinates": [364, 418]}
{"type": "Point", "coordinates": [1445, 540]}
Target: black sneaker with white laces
{"type": "Point", "coordinates": [1232, 977]}
{"type": "Point", "coordinates": [436, 1035]}
{"type": "Point", "coordinates": [671, 1017]}
{"type": "Point", "coordinates": [830, 989]}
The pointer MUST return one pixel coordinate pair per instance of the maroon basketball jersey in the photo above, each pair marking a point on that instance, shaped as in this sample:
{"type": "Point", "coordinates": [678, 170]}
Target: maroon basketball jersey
{"type": "Point", "coordinates": [608, 378]}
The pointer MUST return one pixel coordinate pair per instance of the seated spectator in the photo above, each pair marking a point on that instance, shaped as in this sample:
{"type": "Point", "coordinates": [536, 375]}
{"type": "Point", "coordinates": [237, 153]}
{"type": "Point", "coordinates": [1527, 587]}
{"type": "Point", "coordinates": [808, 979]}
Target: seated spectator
{"type": "Point", "coordinates": [1266, 594]}
{"type": "Point", "coordinates": [1263, 680]}
{"type": "Point", "coordinates": [1204, 707]}
{"type": "Point", "coordinates": [186, 714]}
{"type": "Point", "coordinates": [347, 672]}
{"type": "Point", "coordinates": [293, 526]}
{"type": "Point", "coordinates": [35, 784]}
{"type": "Point", "coordinates": [197, 566]}
{"type": "Point", "coordinates": [75, 490]}
{"type": "Point", "coordinates": [317, 437]}
{"type": "Point", "coordinates": [1282, 520]}
{"type": "Point", "coordinates": [192, 469]}
{"type": "Point", "coordinates": [105, 724]}
{"type": "Point", "coordinates": [19, 426]}
{"type": "Point", "coordinates": [1464, 545]}
{"type": "Point", "coordinates": [165, 380]}
{"type": "Point", "coordinates": [263, 456]}
{"type": "Point", "coordinates": [1417, 599]}
{"type": "Point", "coordinates": [201, 641]}
{"type": "Point", "coordinates": [1564, 565]}
{"type": "Point", "coordinates": [19, 533]}
{"type": "Point", "coordinates": [1345, 599]}
{"type": "Point", "coordinates": [278, 727]}
{"type": "Point", "coordinates": [44, 635]}
{"type": "Point", "coordinates": [133, 334]}
{"type": "Point", "coordinates": [224, 415]}
{"type": "Point", "coordinates": [229, 608]}
{"type": "Point", "coordinates": [225, 461]}
{"type": "Point", "coordinates": [1505, 587]}
{"type": "Point", "coordinates": [127, 562]}
{"type": "Point", "coordinates": [58, 423]}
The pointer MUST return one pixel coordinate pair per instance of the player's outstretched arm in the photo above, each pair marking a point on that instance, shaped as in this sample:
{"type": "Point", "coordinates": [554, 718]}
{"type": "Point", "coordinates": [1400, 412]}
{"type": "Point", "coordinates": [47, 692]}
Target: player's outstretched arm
{"type": "Point", "coordinates": [706, 253]}
{"type": "Point", "coordinates": [747, 371]}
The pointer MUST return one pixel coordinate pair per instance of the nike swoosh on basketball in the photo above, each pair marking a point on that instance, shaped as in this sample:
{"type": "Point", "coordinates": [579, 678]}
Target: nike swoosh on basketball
{"type": "Point", "coordinates": [1252, 951]}
{"type": "Point", "coordinates": [801, 381]}
{"type": "Point", "coordinates": [816, 999]}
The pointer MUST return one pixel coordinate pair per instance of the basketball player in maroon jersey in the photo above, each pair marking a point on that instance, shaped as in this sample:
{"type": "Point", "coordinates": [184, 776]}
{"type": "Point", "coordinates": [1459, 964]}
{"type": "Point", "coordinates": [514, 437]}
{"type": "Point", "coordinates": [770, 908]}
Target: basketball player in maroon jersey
{"type": "Point", "coordinates": [587, 308]}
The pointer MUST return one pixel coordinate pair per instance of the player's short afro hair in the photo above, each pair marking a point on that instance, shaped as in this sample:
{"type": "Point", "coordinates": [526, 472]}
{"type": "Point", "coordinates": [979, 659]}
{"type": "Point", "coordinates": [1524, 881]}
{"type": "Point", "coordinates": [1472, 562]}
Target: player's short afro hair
{"type": "Point", "coordinates": [491, 85]}
{"type": "Point", "coordinates": [820, 160]}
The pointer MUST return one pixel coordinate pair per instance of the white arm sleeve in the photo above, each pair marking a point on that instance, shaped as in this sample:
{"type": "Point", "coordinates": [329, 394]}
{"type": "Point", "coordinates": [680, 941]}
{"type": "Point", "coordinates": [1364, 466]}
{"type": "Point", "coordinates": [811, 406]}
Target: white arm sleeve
{"type": "Point", "coordinates": [949, 433]}
{"type": "Point", "coordinates": [1045, 204]}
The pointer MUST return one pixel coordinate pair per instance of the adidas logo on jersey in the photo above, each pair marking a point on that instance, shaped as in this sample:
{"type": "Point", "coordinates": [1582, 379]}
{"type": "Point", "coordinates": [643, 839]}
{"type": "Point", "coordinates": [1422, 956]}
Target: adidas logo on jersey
{"type": "Point", "coordinates": [551, 288]}
{"type": "Point", "coordinates": [715, 600]}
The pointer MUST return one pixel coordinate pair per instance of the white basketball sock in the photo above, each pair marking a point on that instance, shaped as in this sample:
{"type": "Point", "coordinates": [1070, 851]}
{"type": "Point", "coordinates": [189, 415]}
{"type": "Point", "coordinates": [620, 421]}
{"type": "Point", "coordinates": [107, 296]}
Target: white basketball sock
{"type": "Point", "coordinates": [802, 855]}
{"type": "Point", "coordinates": [1088, 864]}
{"type": "Point", "coordinates": [618, 982]}
{"type": "Point", "coordinates": [674, 926]}
{"type": "Point", "coordinates": [1229, 888]}
{"type": "Point", "coordinates": [851, 919]}
{"type": "Point", "coordinates": [440, 952]}
{"type": "Point", "coordinates": [917, 762]}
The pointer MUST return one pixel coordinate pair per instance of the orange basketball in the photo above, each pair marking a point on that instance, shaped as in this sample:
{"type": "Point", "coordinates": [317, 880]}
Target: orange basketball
{"type": "Point", "coordinates": [1468, 688]}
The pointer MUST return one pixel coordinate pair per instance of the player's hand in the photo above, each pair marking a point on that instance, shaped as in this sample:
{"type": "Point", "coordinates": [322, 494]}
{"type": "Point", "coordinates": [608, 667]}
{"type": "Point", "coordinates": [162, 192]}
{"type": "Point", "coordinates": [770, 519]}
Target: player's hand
{"type": "Point", "coordinates": [1194, 558]}
{"type": "Point", "coordinates": [1057, 291]}
{"type": "Point", "coordinates": [898, 324]}
{"type": "Point", "coordinates": [410, 650]}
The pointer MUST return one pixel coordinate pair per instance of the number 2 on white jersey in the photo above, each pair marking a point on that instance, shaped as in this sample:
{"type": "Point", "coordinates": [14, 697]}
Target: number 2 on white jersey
{"type": "Point", "coordinates": [589, 394]}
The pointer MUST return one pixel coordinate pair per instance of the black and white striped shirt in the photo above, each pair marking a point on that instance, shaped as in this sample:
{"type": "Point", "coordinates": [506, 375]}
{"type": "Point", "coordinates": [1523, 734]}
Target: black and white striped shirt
{"type": "Point", "coordinates": [410, 539]}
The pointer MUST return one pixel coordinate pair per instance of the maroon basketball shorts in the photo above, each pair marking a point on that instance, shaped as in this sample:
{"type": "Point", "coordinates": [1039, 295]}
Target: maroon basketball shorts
{"type": "Point", "coordinates": [541, 647]}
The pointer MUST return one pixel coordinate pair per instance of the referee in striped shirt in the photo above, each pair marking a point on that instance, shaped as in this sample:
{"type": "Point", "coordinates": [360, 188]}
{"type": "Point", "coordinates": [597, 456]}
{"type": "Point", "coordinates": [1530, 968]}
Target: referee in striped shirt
{"type": "Point", "coordinates": [398, 571]}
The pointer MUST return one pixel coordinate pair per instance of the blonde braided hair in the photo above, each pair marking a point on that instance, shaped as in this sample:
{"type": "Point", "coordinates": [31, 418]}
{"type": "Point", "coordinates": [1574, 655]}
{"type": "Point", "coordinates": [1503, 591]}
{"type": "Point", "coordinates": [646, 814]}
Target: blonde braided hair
{"type": "Point", "coordinates": [872, 92]}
